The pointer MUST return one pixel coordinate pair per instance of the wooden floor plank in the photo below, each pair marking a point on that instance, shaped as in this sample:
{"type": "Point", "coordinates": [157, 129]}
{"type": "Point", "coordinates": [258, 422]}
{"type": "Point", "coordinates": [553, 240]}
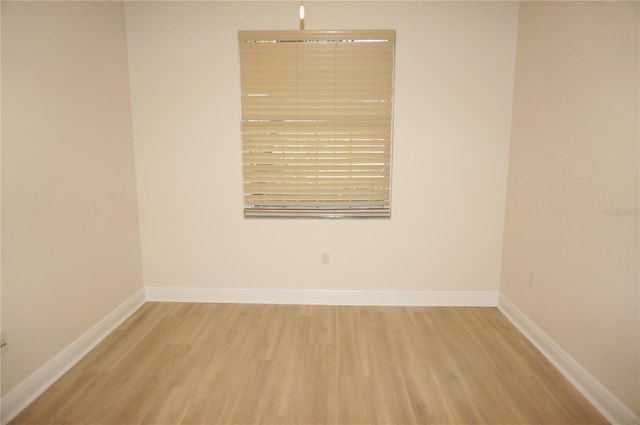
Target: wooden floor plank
{"type": "Point", "coordinates": [174, 363]}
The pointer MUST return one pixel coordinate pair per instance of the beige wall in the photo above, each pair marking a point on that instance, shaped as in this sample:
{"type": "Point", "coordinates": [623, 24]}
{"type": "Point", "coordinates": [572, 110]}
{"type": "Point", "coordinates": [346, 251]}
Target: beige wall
{"type": "Point", "coordinates": [454, 78]}
{"type": "Point", "coordinates": [572, 199]}
{"type": "Point", "coordinates": [0, 200]}
{"type": "Point", "coordinates": [70, 240]}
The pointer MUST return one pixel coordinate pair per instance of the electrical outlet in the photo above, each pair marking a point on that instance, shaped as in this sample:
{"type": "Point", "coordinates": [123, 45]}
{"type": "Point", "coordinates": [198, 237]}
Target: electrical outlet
{"type": "Point", "coordinates": [4, 345]}
{"type": "Point", "coordinates": [324, 258]}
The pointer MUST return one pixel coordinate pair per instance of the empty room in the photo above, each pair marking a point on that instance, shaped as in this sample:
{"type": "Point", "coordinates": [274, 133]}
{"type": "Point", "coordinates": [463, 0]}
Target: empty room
{"type": "Point", "coordinates": [320, 212]}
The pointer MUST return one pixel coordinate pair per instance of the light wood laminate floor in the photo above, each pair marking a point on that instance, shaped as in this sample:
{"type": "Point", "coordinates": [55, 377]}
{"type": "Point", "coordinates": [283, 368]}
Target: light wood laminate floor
{"type": "Point", "coordinates": [173, 363]}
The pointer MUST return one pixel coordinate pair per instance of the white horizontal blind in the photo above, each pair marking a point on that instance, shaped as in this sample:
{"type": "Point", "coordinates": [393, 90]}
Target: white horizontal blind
{"type": "Point", "coordinates": [317, 122]}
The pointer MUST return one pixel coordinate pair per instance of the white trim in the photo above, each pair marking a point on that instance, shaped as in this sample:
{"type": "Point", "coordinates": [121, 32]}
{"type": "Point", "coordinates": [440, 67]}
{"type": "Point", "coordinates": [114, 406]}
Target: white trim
{"type": "Point", "coordinates": [601, 398]}
{"type": "Point", "coordinates": [29, 389]}
{"type": "Point", "coordinates": [322, 297]}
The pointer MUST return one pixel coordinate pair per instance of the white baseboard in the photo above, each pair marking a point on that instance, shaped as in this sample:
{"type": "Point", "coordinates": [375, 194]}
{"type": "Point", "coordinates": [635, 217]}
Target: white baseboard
{"type": "Point", "coordinates": [597, 394]}
{"type": "Point", "coordinates": [321, 297]}
{"type": "Point", "coordinates": [29, 389]}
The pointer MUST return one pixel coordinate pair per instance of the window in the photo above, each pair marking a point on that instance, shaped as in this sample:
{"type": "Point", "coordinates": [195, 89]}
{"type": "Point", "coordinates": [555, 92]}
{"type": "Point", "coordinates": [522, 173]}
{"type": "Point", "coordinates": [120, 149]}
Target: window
{"type": "Point", "coordinates": [317, 122]}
